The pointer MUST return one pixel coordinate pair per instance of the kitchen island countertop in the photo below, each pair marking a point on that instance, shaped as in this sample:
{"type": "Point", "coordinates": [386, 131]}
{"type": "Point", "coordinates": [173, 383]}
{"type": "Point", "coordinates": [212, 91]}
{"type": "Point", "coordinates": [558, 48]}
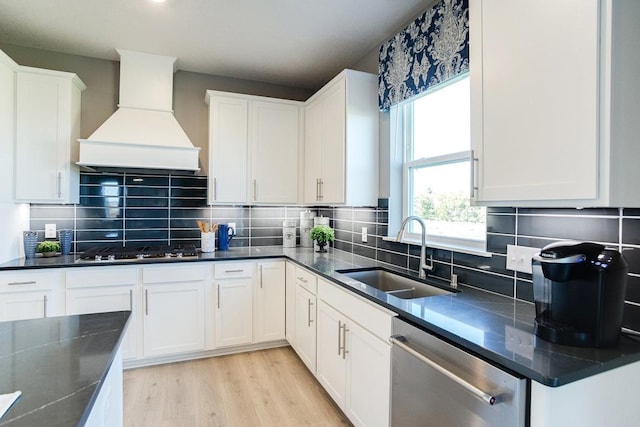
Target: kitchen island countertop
{"type": "Point", "coordinates": [59, 364]}
{"type": "Point", "coordinates": [497, 328]}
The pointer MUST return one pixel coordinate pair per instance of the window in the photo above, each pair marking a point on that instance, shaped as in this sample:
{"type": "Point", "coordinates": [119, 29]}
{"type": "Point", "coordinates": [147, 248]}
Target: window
{"type": "Point", "coordinates": [436, 169]}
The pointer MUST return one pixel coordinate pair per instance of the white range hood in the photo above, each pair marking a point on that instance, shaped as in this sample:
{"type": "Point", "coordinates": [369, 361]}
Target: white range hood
{"type": "Point", "coordinates": [143, 133]}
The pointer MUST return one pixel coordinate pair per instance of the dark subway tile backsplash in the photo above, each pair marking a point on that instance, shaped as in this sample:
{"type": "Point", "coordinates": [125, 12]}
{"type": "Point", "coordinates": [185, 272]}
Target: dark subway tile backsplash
{"type": "Point", "coordinates": [133, 210]}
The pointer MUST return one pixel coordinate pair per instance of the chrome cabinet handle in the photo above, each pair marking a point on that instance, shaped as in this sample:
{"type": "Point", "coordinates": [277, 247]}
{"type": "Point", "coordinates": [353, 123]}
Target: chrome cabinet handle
{"type": "Point", "coordinates": [146, 302]}
{"type": "Point", "coordinates": [218, 295]}
{"type": "Point", "coordinates": [302, 279]}
{"type": "Point", "coordinates": [30, 282]}
{"type": "Point", "coordinates": [255, 190]}
{"type": "Point", "coordinates": [44, 306]}
{"type": "Point", "coordinates": [486, 397]}
{"type": "Point", "coordinates": [339, 333]}
{"type": "Point", "coordinates": [309, 320]}
{"type": "Point", "coordinates": [59, 184]}
{"type": "Point", "coordinates": [234, 271]}
{"type": "Point", "coordinates": [130, 299]}
{"type": "Point", "coordinates": [260, 276]}
{"type": "Point", "coordinates": [344, 341]}
{"type": "Point", "coordinates": [215, 189]}
{"type": "Point", "coordinates": [317, 189]}
{"type": "Point", "coordinates": [472, 180]}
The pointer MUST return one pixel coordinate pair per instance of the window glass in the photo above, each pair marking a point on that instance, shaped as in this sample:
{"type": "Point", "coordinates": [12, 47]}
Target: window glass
{"type": "Point", "coordinates": [441, 122]}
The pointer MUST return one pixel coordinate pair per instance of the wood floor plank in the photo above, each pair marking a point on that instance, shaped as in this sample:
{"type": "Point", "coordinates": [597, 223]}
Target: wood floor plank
{"type": "Point", "coordinates": [260, 388]}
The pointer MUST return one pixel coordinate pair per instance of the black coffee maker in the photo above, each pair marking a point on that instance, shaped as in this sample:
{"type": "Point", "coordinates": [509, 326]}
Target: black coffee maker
{"type": "Point", "coordinates": [579, 290]}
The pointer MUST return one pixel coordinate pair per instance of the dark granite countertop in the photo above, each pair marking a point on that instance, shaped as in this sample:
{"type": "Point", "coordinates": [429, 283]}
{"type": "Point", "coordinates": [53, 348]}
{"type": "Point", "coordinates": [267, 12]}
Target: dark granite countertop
{"type": "Point", "coordinates": [497, 328]}
{"type": "Point", "coordinates": [59, 364]}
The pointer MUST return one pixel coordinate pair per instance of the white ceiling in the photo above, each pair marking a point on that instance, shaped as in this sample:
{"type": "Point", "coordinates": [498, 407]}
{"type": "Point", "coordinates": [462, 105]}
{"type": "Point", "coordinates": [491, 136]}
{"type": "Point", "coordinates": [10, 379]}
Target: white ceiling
{"type": "Point", "coordinates": [299, 43]}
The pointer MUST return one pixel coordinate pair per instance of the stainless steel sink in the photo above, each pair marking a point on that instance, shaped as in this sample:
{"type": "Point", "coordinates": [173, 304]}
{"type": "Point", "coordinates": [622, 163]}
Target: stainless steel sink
{"type": "Point", "coordinates": [395, 284]}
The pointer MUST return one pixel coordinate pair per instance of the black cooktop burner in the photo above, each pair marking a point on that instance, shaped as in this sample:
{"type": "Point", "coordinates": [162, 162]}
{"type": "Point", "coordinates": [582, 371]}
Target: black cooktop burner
{"type": "Point", "coordinates": [138, 253]}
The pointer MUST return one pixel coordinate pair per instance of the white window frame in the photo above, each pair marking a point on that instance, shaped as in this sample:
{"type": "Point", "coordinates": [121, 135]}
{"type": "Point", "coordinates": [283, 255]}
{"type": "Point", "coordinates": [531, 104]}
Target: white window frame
{"type": "Point", "coordinates": [467, 245]}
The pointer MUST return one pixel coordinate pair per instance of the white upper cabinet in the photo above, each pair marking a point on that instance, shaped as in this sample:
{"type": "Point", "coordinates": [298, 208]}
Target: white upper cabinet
{"type": "Point", "coordinates": [253, 148]}
{"type": "Point", "coordinates": [554, 102]}
{"type": "Point", "coordinates": [47, 129]}
{"type": "Point", "coordinates": [341, 142]}
{"type": "Point", "coordinates": [228, 148]}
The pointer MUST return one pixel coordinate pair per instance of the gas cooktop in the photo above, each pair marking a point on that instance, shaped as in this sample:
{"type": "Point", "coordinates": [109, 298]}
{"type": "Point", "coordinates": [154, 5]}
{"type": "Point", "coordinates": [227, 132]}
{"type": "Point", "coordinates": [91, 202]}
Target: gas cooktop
{"type": "Point", "coordinates": [138, 253]}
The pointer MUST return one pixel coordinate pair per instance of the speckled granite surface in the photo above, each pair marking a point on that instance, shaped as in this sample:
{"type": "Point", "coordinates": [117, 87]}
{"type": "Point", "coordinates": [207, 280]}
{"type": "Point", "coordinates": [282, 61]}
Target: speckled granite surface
{"type": "Point", "coordinates": [496, 328]}
{"type": "Point", "coordinates": [58, 363]}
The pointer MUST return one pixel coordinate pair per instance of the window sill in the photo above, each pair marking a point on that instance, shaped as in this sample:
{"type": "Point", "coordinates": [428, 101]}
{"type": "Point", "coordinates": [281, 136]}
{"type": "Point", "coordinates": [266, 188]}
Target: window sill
{"type": "Point", "coordinates": [454, 248]}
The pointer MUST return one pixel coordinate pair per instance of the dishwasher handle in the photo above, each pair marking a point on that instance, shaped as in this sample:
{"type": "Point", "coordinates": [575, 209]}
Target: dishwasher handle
{"type": "Point", "coordinates": [486, 397]}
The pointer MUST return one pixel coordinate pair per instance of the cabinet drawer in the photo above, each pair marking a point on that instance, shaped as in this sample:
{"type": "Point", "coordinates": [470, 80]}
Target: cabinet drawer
{"type": "Point", "coordinates": [110, 276]}
{"type": "Point", "coordinates": [173, 274]}
{"type": "Point", "coordinates": [231, 270]}
{"type": "Point", "coordinates": [373, 318]}
{"type": "Point", "coordinates": [23, 281]}
{"type": "Point", "coordinates": [306, 279]}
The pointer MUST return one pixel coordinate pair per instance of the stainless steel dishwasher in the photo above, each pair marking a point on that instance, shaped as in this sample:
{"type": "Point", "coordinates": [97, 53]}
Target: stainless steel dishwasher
{"type": "Point", "coordinates": [437, 384]}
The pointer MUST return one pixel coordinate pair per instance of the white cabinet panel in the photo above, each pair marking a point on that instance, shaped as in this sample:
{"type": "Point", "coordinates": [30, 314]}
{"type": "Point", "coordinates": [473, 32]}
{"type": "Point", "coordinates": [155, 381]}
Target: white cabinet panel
{"type": "Point", "coordinates": [290, 296]}
{"type": "Point", "coordinates": [253, 148]}
{"type": "Point", "coordinates": [228, 149]}
{"type": "Point", "coordinates": [269, 320]}
{"type": "Point", "coordinates": [341, 141]}
{"type": "Point", "coordinates": [46, 154]}
{"type": "Point", "coordinates": [274, 136]}
{"type": "Point", "coordinates": [233, 312]}
{"type": "Point", "coordinates": [173, 320]}
{"type": "Point", "coordinates": [305, 329]}
{"type": "Point", "coordinates": [551, 124]}
{"type": "Point", "coordinates": [332, 363]}
{"type": "Point", "coordinates": [31, 295]}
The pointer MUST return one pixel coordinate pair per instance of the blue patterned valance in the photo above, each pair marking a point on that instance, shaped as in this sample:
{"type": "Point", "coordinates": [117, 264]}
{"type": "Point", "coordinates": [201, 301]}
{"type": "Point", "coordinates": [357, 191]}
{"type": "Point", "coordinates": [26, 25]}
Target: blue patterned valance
{"type": "Point", "coordinates": [431, 50]}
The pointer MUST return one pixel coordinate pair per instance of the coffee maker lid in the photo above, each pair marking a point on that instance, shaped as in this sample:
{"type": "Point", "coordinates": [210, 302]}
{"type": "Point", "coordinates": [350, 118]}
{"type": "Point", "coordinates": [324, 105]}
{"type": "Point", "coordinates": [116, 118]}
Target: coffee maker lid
{"type": "Point", "coordinates": [570, 251]}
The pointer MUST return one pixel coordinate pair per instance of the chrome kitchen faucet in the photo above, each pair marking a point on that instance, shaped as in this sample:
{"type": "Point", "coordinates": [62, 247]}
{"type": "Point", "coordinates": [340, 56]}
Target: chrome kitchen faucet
{"type": "Point", "coordinates": [423, 250]}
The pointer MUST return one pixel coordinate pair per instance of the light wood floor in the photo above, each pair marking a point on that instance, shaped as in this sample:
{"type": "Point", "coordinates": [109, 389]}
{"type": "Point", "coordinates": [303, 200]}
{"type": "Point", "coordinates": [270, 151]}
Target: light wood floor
{"type": "Point", "coordinates": [260, 388]}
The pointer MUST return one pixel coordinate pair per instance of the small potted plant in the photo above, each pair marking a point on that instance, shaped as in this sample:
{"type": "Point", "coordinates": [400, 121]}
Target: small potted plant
{"type": "Point", "coordinates": [48, 248]}
{"type": "Point", "coordinates": [322, 234]}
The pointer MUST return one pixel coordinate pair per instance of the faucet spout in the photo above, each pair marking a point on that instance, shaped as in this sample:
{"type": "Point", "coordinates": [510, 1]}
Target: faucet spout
{"type": "Point", "coordinates": [423, 249]}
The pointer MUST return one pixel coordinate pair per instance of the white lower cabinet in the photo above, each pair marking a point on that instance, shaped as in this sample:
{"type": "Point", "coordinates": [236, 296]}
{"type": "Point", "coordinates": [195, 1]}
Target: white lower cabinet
{"type": "Point", "coordinates": [233, 304]}
{"type": "Point", "coordinates": [304, 312]}
{"type": "Point", "coordinates": [29, 295]}
{"type": "Point", "coordinates": [107, 410]}
{"type": "Point", "coordinates": [269, 302]}
{"type": "Point", "coordinates": [174, 302]}
{"type": "Point", "coordinates": [354, 363]}
{"type": "Point", "coordinates": [99, 290]}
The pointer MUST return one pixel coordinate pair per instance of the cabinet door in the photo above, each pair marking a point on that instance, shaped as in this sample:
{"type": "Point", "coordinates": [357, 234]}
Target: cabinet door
{"type": "Point", "coordinates": [290, 304]}
{"type": "Point", "coordinates": [228, 150]}
{"type": "Point", "coordinates": [332, 188]}
{"type": "Point", "coordinates": [101, 299]}
{"type": "Point", "coordinates": [44, 170]}
{"type": "Point", "coordinates": [270, 302]}
{"type": "Point", "coordinates": [305, 329]}
{"type": "Point", "coordinates": [534, 117]}
{"type": "Point", "coordinates": [233, 312]}
{"type": "Point", "coordinates": [368, 378]}
{"type": "Point", "coordinates": [312, 150]}
{"type": "Point", "coordinates": [173, 318]}
{"type": "Point", "coordinates": [24, 305]}
{"type": "Point", "coordinates": [331, 353]}
{"type": "Point", "coordinates": [274, 136]}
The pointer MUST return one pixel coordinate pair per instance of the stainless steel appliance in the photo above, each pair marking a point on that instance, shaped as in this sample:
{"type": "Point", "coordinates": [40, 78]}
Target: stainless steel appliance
{"type": "Point", "coordinates": [437, 384]}
{"type": "Point", "coordinates": [169, 252]}
{"type": "Point", "coordinates": [579, 290]}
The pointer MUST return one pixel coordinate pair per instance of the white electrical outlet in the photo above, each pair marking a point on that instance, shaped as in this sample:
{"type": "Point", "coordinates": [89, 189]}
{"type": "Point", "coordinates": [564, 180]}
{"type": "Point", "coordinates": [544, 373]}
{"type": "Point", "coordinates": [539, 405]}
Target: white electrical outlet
{"type": "Point", "coordinates": [519, 258]}
{"type": "Point", "coordinates": [49, 231]}
{"type": "Point", "coordinates": [364, 234]}
{"type": "Point", "coordinates": [232, 225]}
